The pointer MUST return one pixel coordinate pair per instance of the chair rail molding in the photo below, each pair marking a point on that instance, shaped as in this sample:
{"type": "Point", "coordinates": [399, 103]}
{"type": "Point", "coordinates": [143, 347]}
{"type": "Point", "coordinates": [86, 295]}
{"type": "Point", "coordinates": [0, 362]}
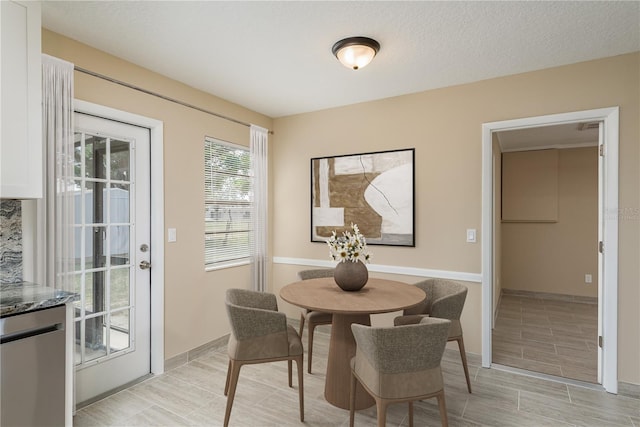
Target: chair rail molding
{"type": "Point", "coordinates": [390, 269]}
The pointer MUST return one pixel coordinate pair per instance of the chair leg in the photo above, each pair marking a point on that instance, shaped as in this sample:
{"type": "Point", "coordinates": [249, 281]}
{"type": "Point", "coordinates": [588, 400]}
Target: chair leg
{"type": "Point", "coordinates": [226, 385]}
{"type": "Point", "coordinates": [234, 370]}
{"type": "Point", "coordinates": [381, 408]}
{"type": "Point", "coordinates": [443, 409]}
{"type": "Point", "coordinates": [300, 365]}
{"type": "Point", "coordinates": [310, 329]}
{"type": "Point", "coordinates": [352, 400]}
{"type": "Point", "coordinates": [463, 356]}
{"type": "Point", "coordinates": [289, 369]}
{"type": "Point", "coordinates": [302, 319]}
{"type": "Point", "coordinates": [410, 413]}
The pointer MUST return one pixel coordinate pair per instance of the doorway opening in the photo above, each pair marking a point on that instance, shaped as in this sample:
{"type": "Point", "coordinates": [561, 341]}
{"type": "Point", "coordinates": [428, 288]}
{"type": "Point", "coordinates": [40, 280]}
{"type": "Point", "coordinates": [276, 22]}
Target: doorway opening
{"type": "Point", "coordinates": [546, 250]}
{"type": "Point", "coordinates": [604, 344]}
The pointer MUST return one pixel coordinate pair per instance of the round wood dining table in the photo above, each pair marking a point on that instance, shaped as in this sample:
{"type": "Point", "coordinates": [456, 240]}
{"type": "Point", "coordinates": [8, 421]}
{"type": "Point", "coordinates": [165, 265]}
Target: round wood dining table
{"type": "Point", "coordinates": [323, 294]}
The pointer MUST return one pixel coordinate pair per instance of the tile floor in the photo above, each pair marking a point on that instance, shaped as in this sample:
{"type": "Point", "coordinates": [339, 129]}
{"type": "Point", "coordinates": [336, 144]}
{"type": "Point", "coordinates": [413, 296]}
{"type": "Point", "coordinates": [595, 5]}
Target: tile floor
{"type": "Point", "coordinates": [547, 335]}
{"type": "Point", "coordinates": [192, 395]}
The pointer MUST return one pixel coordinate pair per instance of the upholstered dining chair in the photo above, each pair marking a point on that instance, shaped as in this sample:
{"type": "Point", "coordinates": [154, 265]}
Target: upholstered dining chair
{"type": "Point", "coordinates": [313, 318]}
{"type": "Point", "coordinates": [445, 300]}
{"type": "Point", "coordinates": [259, 334]}
{"type": "Point", "coordinates": [400, 364]}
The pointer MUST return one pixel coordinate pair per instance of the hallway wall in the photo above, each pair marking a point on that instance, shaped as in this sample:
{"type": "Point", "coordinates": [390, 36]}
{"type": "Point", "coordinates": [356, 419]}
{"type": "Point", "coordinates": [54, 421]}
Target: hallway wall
{"type": "Point", "coordinates": [554, 257]}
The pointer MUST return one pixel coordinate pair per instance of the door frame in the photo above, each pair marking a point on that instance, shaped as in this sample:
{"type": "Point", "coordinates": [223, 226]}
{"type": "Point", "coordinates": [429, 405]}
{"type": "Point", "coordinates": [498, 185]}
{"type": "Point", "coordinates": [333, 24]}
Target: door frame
{"type": "Point", "coordinates": [157, 217]}
{"type": "Point", "coordinates": [608, 218]}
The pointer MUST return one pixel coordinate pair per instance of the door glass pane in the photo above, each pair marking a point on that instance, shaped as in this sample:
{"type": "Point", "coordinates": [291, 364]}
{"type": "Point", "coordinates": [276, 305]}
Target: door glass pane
{"type": "Point", "coordinates": [77, 155]}
{"type": "Point", "coordinates": [77, 242]}
{"type": "Point", "coordinates": [77, 288]}
{"type": "Point", "coordinates": [95, 154]}
{"type": "Point", "coordinates": [78, 345]}
{"type": "Point", "coordinates": [119, 245]}
{"type": "Point", "coordinates": [120, 290]}
{"type": "Point", "coordinates": [120, 160]}
{"type": "Point", "coordinates": [119, 198]}
{"type": "Point", "coordinates": [95, 338]}
{"type": "Point", "coordinates": [77, 202]}
{"type": "Point", "coordinates": [94, 202]}
{"type": "Point", "coordinates": [119, 332]}
{"type": "Point", "coordinates": [94, 296]}
{"type": "Point", "coordinates": [95, 247]}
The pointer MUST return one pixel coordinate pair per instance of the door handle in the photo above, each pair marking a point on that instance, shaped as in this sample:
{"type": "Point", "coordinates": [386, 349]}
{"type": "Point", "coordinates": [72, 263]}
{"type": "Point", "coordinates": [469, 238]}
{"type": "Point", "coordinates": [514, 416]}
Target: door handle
{"type": "Point", "coordinates": [145, 265]}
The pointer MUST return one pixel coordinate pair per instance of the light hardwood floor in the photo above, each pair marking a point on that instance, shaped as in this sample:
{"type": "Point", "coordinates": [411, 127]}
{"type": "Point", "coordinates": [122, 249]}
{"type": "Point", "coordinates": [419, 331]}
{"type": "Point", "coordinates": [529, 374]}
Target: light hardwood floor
{"type": "Point", "coordinates": [546, 335]}
{"type": "Point", "coordinates": [192, 394]}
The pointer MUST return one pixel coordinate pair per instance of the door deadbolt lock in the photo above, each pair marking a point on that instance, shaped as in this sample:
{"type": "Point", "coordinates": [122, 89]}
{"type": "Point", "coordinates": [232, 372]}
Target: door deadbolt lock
{"type": "Point", "coordinates": [144, 247]}
{"type": "Point", "coordinates": [145, 265]}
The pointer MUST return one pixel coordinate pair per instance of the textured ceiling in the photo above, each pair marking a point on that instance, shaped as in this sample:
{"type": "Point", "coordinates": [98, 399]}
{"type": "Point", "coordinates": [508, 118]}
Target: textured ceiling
{"type": "Point", "coordinates": [275, 57]}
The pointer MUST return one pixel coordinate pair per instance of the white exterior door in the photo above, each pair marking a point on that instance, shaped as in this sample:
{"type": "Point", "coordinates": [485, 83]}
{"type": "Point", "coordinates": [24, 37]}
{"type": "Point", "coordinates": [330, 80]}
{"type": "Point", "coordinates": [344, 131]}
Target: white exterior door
{"type": "Point", "coordinates": [112, 250]}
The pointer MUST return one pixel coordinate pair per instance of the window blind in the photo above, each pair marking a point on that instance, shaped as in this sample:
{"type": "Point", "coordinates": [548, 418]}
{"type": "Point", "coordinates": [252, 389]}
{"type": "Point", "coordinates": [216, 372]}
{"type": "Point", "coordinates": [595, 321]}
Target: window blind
{"type": "Point", "coordinates": [228, 199]}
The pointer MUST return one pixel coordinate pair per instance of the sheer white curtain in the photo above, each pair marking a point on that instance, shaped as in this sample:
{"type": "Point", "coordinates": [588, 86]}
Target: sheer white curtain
{"type": "Point", "coordinates": [258, 149]}
{"type": "Point", "coordinates": [56, 210]}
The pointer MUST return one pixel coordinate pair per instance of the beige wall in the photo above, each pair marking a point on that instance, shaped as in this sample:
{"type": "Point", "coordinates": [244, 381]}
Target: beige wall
{"type": "Point", "coordinates": [530, 186]}
{"type": "Point", "coordinates": [555, 256]}
{"type": "Point", "coordinates": [194, 309]}
{"type": "Point", "coordinates": [444, 126]}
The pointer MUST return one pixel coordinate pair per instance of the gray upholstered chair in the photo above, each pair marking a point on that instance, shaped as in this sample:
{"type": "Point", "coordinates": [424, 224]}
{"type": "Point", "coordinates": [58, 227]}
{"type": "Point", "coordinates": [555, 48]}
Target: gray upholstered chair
{"type": "Point", "coordinates": [400, 364]}
{"type": "Point", "coordinates": [259, 334]}
{"type": "Point", "coordinates": [313, 318]}
{"type": "Point", "coordinates": [445, 300]}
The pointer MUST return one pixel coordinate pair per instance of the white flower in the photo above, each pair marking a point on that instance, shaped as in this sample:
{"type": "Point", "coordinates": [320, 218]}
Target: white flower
{"type": "Point", "coordinates": [348, 247]}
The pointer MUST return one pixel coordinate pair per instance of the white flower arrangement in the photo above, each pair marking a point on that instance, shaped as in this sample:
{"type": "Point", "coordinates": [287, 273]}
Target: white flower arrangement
{"type": "Point", "coordinates": [348, 247]}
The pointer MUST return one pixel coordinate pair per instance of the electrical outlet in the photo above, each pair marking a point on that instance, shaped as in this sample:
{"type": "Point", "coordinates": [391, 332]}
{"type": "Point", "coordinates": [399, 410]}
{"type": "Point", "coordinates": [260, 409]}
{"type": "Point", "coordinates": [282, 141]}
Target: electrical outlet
{"type": "Point", "coordinates": [588, 278]}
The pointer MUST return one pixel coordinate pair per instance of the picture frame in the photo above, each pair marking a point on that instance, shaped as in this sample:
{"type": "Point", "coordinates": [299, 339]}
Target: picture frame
{"type": "Point", "coordinates": [374, 190]}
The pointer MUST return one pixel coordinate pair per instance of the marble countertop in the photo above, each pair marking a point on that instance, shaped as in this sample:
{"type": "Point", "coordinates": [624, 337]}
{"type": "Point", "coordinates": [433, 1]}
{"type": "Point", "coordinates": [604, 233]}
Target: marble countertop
{"type": "Point", "coordinates": [21, 297]}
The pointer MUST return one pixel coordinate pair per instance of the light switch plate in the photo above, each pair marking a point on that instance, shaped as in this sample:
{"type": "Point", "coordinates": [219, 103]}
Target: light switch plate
{"type": "Point", "coordinates": [171, 235]}
{"type": "Point", "coordinates": [471, 235]}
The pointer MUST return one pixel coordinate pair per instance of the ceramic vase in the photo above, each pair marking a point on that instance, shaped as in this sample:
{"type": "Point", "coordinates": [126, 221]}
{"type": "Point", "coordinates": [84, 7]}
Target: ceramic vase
{"type": "Point", "coordinates": [351, 276]}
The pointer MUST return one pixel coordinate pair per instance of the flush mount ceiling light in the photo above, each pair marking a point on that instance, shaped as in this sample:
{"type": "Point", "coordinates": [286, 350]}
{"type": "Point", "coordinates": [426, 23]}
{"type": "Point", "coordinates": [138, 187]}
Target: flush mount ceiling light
{"type": "Point", "coordinates": [355, 52]}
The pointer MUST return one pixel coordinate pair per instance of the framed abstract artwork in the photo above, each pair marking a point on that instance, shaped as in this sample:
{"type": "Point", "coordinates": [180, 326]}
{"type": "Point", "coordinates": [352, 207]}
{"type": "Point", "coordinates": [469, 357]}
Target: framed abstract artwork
{"type": "Point", "coordinates": [374, 190]}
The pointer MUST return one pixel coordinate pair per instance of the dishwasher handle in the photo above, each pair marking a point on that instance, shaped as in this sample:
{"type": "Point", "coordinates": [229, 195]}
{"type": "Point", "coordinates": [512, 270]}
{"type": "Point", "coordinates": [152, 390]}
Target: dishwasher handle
{"type": "Point", "coordinates": [7, 338]}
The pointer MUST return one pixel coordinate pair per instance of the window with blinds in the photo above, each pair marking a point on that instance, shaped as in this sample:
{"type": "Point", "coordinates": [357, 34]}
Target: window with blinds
{"type": "Point", "coordinates": [227, 207]}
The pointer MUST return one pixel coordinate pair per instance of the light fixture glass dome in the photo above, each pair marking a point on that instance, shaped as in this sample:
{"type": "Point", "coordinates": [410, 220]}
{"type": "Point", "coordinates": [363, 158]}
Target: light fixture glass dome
{"type": "Point", "coordinates": [355, 52]}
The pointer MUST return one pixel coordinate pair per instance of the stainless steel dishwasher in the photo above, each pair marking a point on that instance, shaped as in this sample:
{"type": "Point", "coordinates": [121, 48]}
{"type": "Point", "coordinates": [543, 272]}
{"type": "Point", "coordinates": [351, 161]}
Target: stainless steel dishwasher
{"type": "Point", "coordinates": [32, 358]}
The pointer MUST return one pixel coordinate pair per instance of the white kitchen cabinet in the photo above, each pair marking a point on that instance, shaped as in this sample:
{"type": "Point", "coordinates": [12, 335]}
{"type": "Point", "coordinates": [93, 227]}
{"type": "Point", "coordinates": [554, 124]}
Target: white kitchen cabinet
{"type": "Point", "coordinates": [21, 159]}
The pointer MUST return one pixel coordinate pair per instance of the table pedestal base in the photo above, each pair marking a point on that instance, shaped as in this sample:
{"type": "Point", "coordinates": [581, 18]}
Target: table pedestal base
{"type": "Point", "coordinates": [342, 348]}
